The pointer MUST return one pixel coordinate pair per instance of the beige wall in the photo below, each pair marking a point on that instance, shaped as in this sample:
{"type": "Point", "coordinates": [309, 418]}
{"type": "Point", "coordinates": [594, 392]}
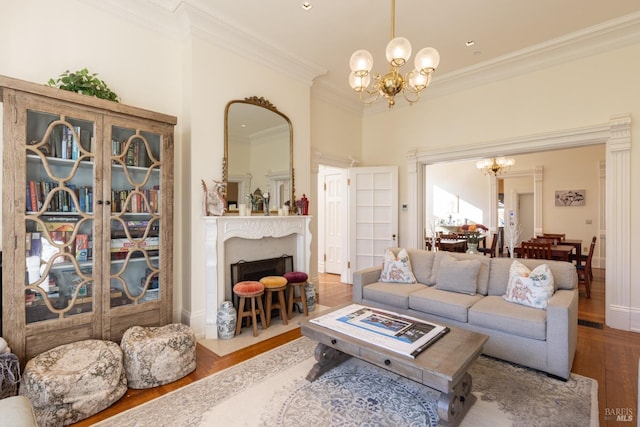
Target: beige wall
{"type": "Point", "coordinates": [193, 79]}
{"type": "Point", "coordinates": [580, 93]}
{"type": "Point", "coordinates": [190, 78]}
{"type": "Point", "coordinates": [144, 68]}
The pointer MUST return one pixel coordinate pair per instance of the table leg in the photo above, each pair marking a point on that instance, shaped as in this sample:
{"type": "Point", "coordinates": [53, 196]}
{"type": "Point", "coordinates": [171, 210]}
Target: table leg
{"type": "Point", "coordinates": [453, 406]}
{"type": "Point", "coordinates": [327, 359]}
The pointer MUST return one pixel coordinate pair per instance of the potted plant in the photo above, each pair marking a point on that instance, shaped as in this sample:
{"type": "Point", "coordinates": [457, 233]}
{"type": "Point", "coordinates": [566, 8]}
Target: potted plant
{"type": "Point", "coordinates": [85, 83]}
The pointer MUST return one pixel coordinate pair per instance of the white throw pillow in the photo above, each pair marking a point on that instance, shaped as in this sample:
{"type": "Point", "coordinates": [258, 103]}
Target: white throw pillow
{"type": "Point", "coordinates": [397, 268]}
{"type": "Point", "coordinates": [531, 288]}
{"type": "Point", "coordinates": [458, 275]}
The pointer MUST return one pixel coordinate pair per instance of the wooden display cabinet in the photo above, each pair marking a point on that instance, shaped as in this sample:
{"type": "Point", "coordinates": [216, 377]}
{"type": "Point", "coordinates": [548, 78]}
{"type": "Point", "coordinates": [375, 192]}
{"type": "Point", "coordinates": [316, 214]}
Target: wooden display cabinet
{"type": "Point", "coordinates": [87, 217]}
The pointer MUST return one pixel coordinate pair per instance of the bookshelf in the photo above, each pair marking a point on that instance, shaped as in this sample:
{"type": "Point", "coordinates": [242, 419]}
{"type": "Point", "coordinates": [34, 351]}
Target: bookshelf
{"type": "Point", "coordinates": [87, 218]}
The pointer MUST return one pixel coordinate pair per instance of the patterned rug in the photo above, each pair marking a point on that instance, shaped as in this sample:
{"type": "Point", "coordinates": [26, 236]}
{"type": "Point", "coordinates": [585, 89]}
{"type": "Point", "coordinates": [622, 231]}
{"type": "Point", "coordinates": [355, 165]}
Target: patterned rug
{"type": "Point", "coordinates": [270, 390]}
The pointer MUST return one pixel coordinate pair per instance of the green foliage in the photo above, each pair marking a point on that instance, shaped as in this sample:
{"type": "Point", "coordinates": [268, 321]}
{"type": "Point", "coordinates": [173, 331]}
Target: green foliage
{"type": "Point", "coordinates": [85, 83]}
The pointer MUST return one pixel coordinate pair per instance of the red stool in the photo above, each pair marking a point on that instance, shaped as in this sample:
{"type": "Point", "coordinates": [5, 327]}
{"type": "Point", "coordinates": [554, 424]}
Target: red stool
{"type": "Point", "coordinates": [297, 279]}
{"type": "Point", "coordinates": [250, 290]}
{"type": "Point", "coordinates": [277, 285]}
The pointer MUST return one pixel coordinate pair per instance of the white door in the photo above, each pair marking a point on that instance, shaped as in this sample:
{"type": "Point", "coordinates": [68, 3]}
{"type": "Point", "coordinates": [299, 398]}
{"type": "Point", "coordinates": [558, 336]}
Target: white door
{"type": "Point", "coordinates": [373, 215]}
{"type": "Point", "coordinates": [525, 216]}
{"type": "Point", "coordinates": [335, 209]}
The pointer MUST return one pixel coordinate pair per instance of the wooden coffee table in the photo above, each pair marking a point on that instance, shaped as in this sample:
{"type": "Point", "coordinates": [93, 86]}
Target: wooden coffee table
{"type": "Point", "coordinates": [442, 367]}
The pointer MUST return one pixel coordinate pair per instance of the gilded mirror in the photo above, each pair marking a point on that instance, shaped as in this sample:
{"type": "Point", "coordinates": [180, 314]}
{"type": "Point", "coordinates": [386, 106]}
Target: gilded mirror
{"type": "Point", "coordinates": [258, 156]}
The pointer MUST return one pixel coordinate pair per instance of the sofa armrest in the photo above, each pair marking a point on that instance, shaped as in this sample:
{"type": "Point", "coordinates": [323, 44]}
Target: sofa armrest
{"type": "Point", "coordinates": [362, 278]}
{"type": "Point", "coordinates": [562, 331]}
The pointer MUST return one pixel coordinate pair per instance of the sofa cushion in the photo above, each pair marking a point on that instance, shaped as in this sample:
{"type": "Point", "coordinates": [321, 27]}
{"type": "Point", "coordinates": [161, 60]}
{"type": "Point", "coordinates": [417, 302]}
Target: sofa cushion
{"type": "Point", "coordinates": [396, 267]}
{"type": "Point", "coordinates": [483, 274]}
{"type": "Point", "coordinates": [564, 273]}
{"type": "Point", "coordinates": [451, 305]}
{"type": "Point", "coordinates": [530, 287]}
{"type": "Point", "coordinates": [393, 294]}
{"type": "Point", "coordinates": [458, 275]}
{"type": "Point", "coordinates": [494, 312]}
{"type": "Point", "coordinates": [421, 264]}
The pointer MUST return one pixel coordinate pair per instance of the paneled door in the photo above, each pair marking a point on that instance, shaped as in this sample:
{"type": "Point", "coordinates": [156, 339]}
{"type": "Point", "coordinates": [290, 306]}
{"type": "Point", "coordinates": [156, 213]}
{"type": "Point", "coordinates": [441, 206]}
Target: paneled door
{"type": "Point", "coordinates": [373, 215]}
{"type": "Point", "coordinates": [335, 224]}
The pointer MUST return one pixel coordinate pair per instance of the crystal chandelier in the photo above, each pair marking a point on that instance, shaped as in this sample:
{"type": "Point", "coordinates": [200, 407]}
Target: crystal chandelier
{"type": "Point", "coordinates": [392, 83]}
{"type": "Point", "coordinates": [495, 166]}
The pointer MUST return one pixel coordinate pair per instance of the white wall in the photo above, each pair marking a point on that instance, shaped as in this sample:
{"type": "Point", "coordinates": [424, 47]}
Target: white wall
{"type": "Point", "coordinates": [39, 39]}
{"type": "Point", "coordinates": [579, 93]}
{"type": "Point", "coordinates": [188, 77]}
{"type": "Point", "coordinates": [210, 66]}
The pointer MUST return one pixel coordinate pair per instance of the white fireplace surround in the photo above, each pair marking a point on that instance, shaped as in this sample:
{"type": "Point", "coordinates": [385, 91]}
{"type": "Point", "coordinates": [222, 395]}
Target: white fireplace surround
{"type": "Point", "coordinates": [218, 230]}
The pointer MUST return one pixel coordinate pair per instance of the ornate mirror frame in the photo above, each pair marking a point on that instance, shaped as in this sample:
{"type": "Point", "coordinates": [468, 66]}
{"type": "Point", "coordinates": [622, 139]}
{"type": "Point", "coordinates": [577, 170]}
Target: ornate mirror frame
{"type": "Point", "coordinates": [276, 177]}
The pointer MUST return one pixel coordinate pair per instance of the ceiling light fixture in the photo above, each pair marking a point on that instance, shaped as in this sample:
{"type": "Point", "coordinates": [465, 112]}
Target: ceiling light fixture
{"type": "Point", "coordinates": [392, 83]}
{"type": "Point", "coordinates": [306, 5]}
{"type": "Point", "coordinates": [495, 166]}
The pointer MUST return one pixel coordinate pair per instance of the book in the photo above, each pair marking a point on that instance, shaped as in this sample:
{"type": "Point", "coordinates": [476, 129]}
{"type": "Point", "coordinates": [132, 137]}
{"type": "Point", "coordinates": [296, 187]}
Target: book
{"type": "Point", "coordinates": [36, 244]}
{"type": "Point", "coordinates": [401, 334]}
{"type": "Point", "coordinates": [82, 247]}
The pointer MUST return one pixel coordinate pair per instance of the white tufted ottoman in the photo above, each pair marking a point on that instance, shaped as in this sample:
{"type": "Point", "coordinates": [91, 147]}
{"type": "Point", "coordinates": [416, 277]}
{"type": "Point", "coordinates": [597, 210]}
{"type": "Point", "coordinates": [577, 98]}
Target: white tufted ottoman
{"type": "Point", "coordinates": [74, 381]}
{"type": "Point", "coordinates": [155, 356]}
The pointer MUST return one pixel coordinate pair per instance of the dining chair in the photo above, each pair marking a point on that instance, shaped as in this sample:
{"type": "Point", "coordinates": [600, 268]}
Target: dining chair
{"type": "Point", "coordinates": [558, 236]}
{"type": "Point", "coordinates": [427, 243]}
{"type": "Point", "coordinates": [585, 274]}
{"type": "Point", "coordinates": [490, 250]}
{"type": "Point", "coordinates": [536, 250]}
{"type": "Point", "coordinates": [450, 236]}
{"type": "Point", "coordinates": [554, 241]}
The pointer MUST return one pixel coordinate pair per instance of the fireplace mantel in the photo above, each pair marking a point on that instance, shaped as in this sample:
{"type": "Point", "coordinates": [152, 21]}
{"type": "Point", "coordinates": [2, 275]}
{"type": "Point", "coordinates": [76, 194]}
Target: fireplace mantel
{"type": "Point", "coordinates": [219, 229]}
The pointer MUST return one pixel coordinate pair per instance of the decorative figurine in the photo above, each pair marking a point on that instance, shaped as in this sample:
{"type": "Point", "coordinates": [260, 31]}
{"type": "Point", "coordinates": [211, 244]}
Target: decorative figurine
{"type": "Point", "coordinates": [214, 201]}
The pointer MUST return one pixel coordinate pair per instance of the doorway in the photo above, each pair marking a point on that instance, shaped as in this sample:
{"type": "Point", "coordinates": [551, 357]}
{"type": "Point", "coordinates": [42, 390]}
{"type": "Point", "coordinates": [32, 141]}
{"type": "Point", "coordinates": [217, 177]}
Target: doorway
{"type": "Point", "coordinates": [332, 219]}
{"type": "Point", "coordinates": [525, 215]}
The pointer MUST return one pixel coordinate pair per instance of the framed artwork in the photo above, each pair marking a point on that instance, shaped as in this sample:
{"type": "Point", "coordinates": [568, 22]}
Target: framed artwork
{"type": "Point", "coordinates": [570, 197]}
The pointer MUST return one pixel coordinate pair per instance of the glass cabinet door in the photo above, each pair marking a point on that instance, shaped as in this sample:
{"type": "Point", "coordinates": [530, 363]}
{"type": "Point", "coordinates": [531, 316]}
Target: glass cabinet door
{"type": "Point", "coordinates": [59, 218]}
{"type": "Point", "coordinates": [135, 219]}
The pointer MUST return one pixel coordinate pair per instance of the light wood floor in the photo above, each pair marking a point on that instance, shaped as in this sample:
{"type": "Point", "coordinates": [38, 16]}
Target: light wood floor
{"type": "Point", "coordinates": [608, 355]}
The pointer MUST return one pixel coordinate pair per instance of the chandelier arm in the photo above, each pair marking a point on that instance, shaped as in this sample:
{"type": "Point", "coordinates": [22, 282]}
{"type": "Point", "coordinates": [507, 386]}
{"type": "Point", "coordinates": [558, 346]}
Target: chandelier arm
{"type": "Point", "coordinates": [373, 96]}
{"type": "Point", "coordinates": [410, 100]}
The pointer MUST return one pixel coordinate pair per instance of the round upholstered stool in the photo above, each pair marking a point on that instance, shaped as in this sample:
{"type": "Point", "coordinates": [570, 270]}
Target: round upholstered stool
{"type": "Point", "coordinates": [155, 356]}
{"type": "Point", "coordinates": [275, 285]}
{"type": "Point", "coordinates": [250, 290]}
{"type": "Point", "coordinates": [73, 381]}
{"type": "Point", "coordinates": [297, 280]}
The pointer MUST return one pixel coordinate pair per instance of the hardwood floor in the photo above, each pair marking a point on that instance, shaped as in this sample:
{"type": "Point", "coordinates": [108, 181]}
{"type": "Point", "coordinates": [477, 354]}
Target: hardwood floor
{"type": "Point", "coordinates": [608, 355]}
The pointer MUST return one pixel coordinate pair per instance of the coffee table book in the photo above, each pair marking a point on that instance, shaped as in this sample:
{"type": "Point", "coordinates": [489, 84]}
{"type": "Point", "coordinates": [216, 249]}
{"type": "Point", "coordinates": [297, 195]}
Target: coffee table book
{"type": "Point", "coordinates": [399, 333]}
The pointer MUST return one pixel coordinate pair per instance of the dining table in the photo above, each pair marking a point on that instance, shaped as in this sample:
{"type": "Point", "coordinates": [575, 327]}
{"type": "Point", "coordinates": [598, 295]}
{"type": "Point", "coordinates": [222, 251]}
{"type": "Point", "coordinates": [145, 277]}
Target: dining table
{"type": "Point", "coordinates": [577, 244]}
{"type": "Point", "coordinates": [453, 245]}
{"type": "Point", "coordinates": [560, 252]}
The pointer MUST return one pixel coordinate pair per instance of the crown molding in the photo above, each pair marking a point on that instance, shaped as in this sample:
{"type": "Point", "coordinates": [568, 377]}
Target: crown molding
{"type": "Point", "coordinates": [154, 15]}
{"type": "Point", "coordinates": [610, 35]}
{"type": "Point", "coordinates": [240, 41]}
{"type": "Point", "coordinates": [344, 98]}
{"type": "Point", "coordinates": [569, 138]}
{"type": "Point", "coordinates": [179, 19]}
{"type": "Point", "coordinates": [182, 18]}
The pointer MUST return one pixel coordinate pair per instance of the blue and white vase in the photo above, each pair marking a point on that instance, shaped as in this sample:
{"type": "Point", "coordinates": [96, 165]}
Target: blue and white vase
{"type": "Point", "coordinates": [310, 292]}
{"type": "Point", "coordinates": [226, 320]}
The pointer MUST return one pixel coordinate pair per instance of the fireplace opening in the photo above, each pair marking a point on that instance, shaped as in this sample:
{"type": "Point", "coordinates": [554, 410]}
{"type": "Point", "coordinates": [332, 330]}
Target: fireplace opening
{"type": "Point", "coordinates": [256, 270]}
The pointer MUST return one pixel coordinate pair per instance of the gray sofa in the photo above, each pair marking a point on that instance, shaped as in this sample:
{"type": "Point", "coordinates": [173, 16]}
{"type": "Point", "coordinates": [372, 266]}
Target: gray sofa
{"type": "Point", "coordinates": [543, 339]}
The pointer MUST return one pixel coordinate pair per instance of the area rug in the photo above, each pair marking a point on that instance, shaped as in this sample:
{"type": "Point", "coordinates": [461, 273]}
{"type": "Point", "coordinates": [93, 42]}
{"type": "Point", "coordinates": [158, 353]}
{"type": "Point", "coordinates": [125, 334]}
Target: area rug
{"type": "Point", "coordinates": [246, 338]}
{"type": "Point", "coordinates": [271, 390]}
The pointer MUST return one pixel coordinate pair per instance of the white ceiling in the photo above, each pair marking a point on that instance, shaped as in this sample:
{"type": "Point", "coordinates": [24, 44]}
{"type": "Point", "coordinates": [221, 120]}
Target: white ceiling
{"type": "Point", "coordinates": [332, 30]}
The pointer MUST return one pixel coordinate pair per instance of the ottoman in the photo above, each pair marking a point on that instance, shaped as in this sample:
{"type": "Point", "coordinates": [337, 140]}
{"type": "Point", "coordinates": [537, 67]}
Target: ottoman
{"type": "Point", "coordinates": [155, 356]}
{"type": "Point", "coordinates": [74, 381]}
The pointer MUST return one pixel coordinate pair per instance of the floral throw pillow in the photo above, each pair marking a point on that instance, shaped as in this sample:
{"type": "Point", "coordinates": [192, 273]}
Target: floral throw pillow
{"type": "Point", "coordinates": [397, 268]}
{"type": "Point", "coordinates": [531, 288]}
